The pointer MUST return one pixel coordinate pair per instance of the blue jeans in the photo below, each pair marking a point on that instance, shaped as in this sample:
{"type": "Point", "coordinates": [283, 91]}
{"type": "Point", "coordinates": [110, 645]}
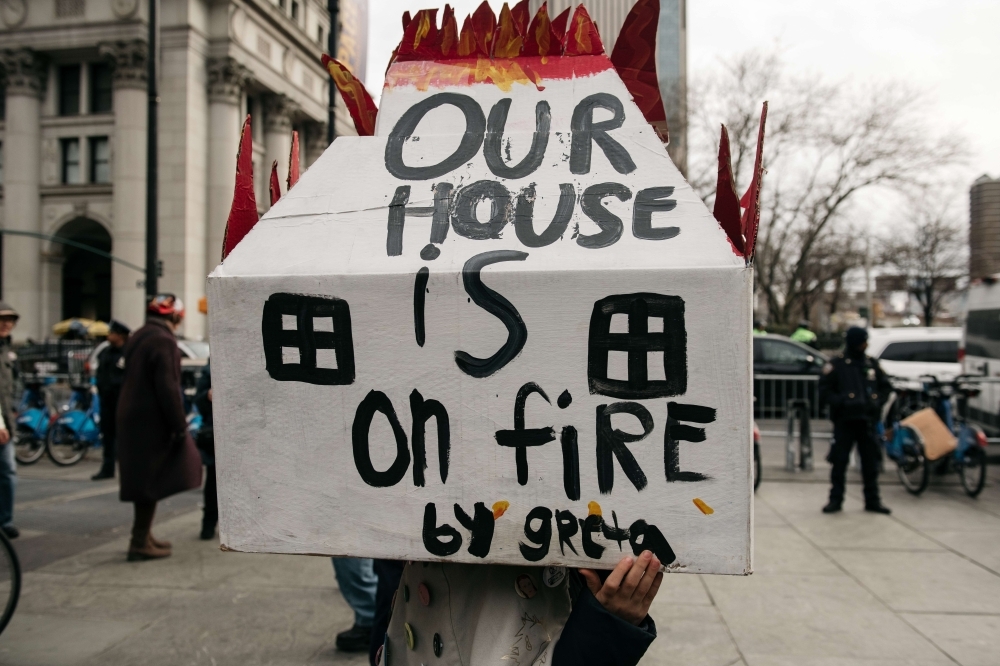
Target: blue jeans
{"type": "Point", "coordinates": [8, 481]}
{"type": "Point", "coordinates": [358, 583]}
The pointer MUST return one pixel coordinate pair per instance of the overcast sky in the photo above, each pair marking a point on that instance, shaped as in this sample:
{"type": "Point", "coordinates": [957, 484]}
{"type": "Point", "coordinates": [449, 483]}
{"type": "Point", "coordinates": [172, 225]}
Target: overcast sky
{"type": "Point", "coordinates": [950, 49]}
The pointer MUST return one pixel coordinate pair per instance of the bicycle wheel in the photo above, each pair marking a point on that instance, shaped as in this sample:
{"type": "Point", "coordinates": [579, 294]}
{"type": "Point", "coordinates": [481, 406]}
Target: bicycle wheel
{"type": "Point", "coordinates": [972, 470]}
{"type": "Point", "coordinates": [64, 448]}
{"type": "Point", "coordinates": [756, 466]}
{"type": "Point", "coordinates": [912, 467]}
{"type": "Point", "coordinates": [28, 449]}
{"type": "Point", "coordinates": [10, 580]}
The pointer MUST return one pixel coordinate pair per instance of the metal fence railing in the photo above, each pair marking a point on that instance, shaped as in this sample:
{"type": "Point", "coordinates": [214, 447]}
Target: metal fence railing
{"type": "Point", "coordinates": [775, 395]}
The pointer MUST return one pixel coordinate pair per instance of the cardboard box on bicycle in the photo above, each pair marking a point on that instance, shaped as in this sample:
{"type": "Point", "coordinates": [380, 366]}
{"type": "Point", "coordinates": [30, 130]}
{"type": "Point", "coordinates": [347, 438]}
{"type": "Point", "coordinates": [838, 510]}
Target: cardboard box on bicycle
{"type": "Point", "coordinates": [422, 352]}
{"type": "Point", "coordinates": [938, 440]}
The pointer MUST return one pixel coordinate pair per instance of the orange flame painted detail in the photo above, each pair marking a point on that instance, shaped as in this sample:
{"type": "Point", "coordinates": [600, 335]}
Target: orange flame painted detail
{"type": "Point", "coordinates": [507, 40]}
{"type": "Point", "coordinates": [582, 37]}
{"type": "Point", "coordinates": [634, 57]}
{"type": "Point", "coordinates": [740, 229]}
{"type": "Point", "coordinates": [359, 102]}
{"type": "Point", "coordinates": [274, 185]}
{"type": "Point", "coordinates": [541, 38]}
{"type": "Point", "coordinates": [243, 213]}
{"type": "Point", "coordinates": [293, 162]}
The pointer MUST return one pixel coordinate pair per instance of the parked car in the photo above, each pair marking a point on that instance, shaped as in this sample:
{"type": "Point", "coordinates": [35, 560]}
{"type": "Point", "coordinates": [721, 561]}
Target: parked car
{"type": "Point", "coordinates": [910, 352]}
{"type": "Point", "coordinates": [194, 357]}
{"type": "Point", "coordinates": [980, 351]}
{"type": "Point", "coordinates": [778, 355]}
{"type": "Point", "coordinates": [784, 371]}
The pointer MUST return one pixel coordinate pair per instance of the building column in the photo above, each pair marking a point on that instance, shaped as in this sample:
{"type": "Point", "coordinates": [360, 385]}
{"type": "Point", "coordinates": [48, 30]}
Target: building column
{"type": "Point", "coordinates": [278, 111]}
{"type": "Point", "coordinates": [26, 79]}
{"type": "Point", "coordinates": [226, 80]}
{"type": "Point", "coordinates": [315, 143]}
{"type": "Point", "coordinates": [128, 175]}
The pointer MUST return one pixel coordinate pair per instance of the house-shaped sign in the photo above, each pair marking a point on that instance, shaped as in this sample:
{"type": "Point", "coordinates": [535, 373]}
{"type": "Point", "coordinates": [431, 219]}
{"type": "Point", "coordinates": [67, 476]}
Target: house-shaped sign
{"type": "Point", "coordinates": [501, 329]}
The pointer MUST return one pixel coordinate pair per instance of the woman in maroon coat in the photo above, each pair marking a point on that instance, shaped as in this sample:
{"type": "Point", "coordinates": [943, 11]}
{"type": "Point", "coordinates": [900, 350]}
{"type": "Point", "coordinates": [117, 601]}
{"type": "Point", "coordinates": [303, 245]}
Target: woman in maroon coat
{"type": "Point", "coordinates": [156, 456]}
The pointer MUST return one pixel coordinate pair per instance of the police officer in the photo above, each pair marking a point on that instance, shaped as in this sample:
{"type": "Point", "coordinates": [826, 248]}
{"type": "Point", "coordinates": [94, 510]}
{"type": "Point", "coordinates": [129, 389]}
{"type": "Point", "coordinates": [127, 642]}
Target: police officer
{"type": "Point", "coordinates": [855, 387]}
{"type": "Point", "coordinates": [110, 373]}
{"type": "Point", "coordinates": [803, 334]}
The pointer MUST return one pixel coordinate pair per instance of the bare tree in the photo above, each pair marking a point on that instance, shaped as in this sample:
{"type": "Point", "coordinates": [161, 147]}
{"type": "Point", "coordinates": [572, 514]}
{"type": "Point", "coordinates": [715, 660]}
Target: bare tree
{"type": "Point", "coordinates": [929, 253]}
{"type": "Point", "coordinates": [826, 146]}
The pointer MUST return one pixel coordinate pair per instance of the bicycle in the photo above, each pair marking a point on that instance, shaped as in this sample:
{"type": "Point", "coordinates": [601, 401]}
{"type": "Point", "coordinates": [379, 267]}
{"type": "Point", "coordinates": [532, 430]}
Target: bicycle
{"type": "Point", "coordinates": [34, 418]}
{"type": "Point", "coordinates": [10, 580]}
{"type": "Point", "coordinates": [969, 456]}
{"type": "Point", "coordinates": [77, 428]}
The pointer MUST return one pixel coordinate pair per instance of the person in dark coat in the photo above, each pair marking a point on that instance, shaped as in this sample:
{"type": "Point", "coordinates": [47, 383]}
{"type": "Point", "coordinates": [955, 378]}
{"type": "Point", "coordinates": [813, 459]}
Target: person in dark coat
{"type": "Point", "coordinates": [8, 463]}
{"type": "Point", "coordinates": [110, 374]}
{"type": "Point", "coordinates": [156, 455]}
{"type": "Point", "coordinates": [206, 446]}
{"type": "Point", "coordinates": [855, 387]}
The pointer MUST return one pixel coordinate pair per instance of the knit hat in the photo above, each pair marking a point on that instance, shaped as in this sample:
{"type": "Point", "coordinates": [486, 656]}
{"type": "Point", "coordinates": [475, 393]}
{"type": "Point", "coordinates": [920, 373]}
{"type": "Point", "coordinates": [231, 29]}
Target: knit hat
{"type": "Point", "coordinates": [7, 311]}
{"type": "Point", "coordinates": [855, 337]}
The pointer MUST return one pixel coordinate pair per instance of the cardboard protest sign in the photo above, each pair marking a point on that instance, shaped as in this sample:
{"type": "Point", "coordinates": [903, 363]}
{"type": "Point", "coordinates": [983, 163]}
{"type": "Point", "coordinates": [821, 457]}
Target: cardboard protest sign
{"type": "Point", "coordinates": [500, 329]}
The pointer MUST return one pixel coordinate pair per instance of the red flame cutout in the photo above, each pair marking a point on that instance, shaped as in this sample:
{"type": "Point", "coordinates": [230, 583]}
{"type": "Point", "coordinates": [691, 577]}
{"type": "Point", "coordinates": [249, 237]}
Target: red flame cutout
{"type": "Point", "coordinates": [243, 213]}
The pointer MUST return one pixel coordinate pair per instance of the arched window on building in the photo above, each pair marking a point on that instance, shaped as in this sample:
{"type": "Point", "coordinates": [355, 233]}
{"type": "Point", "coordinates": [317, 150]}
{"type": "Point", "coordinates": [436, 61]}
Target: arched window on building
{"type": "Point", "coordinates": [86, 277]}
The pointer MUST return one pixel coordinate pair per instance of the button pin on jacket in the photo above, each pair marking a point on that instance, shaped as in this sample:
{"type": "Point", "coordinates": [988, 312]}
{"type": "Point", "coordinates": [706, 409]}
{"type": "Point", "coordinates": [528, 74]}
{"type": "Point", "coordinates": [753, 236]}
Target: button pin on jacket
{"type": "Point", "coordinates": [525, 586]}
{"type": "Point", "coordinates": [411, 638]}
{"type": "Point", "coordinates": [438, 645]}
{"type": "Point", "coordinates": [424, 593]}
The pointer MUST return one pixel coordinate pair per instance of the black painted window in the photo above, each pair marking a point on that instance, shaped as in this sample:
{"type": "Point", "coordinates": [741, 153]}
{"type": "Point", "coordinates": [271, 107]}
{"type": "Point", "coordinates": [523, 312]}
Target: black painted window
{"type": "Point", "coordinates": [100, 88]}
{"type": "Point", "coordinates": [70, 161]}
{"type": "Point", "coordinates": [100, 159]}
{"type": "Point", "coordinates": [654, 337]}
{"type": "Point", "coordinates": [308, 339]}
{"type": "Point", "coordinates": [69, 90]}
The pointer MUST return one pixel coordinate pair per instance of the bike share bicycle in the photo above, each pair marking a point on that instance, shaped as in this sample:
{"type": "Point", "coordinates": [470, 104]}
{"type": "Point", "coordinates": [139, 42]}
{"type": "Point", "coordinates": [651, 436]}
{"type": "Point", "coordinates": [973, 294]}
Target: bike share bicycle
{"type": "Point", "coordinates": [906, 446]}
{"type": "Point", "coordinates": [34, 418]}
{"type": "Point", "coordinates": [77, 428]}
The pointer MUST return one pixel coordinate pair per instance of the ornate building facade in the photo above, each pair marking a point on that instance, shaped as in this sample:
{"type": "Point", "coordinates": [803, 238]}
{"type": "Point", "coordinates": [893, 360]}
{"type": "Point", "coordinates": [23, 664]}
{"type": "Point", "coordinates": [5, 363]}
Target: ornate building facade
{"type": "Point", "coordinates": [73, 125]}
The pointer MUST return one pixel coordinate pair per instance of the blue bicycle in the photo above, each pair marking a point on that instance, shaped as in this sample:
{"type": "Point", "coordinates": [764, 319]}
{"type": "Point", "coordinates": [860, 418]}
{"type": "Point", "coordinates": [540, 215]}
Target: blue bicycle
{"type": "Point", "coordinates": [906, 446]}
{"type": "Point", "coordinates": [77, 428]}
{"type": "Point", "coordinates": [34, 418]}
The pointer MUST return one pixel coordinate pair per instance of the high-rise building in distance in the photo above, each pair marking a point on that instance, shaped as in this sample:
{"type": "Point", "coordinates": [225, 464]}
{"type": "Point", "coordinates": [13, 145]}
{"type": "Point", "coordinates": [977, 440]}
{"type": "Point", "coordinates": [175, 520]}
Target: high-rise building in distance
{"type": "Point", "coordinates": [984, 227]}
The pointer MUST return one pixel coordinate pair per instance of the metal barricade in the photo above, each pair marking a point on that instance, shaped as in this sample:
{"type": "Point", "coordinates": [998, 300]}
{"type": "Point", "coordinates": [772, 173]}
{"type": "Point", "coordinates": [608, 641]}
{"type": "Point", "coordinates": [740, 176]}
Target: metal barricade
{"type": "Point", "coordinates": [774, 393]}
{"type": "Point", "coordinates": [798, 409]}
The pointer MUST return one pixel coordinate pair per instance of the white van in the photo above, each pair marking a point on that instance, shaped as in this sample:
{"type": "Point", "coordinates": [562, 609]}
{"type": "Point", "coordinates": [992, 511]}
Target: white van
{"type": "Point", "coordinates": [981, 350]}
{"type": "Point", "coordinates": [910, 352]}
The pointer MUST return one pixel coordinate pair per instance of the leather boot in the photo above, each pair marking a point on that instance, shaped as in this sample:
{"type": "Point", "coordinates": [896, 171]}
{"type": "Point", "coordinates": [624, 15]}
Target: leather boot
{"type": "Point", "coordinates": [165, 545]}
{"type": "Point", "coordinates": [148, 551]}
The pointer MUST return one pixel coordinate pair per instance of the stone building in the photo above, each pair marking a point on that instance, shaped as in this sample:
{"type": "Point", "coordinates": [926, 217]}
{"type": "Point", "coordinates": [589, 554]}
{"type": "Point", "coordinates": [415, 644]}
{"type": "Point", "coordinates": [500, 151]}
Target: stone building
{"type": "Point", "coordinates": [73, 125]}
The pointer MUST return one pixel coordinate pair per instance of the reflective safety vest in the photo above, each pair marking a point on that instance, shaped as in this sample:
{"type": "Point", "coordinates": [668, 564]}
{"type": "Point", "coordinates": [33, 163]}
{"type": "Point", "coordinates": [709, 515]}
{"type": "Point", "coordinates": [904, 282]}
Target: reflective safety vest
{"type": "Point", "coordinates": [803, 335]}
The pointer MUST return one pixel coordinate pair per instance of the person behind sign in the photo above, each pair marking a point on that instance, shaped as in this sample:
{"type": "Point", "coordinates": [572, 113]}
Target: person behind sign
{"type": "Point", "coordinates": [804, 335]}
{"type": "Point", "coordinates": [206, 447]}
{"type": "Point", "coordinates": [156, 456]}
{"type": "Point", "coordinates": [110, 374]}
{"type": "Point", "coordinates": [490, 614]}
{"type": "Point", "coordinates": [8, 465]}
{"type": "Point", "coordinates": [855, 387]}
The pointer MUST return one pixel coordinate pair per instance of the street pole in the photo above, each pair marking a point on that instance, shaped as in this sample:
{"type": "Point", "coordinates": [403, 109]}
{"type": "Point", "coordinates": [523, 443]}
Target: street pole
{"type": "Point", "coordinates": [152, 270]}
{"type": "Point", "coordinates": [331, 131]}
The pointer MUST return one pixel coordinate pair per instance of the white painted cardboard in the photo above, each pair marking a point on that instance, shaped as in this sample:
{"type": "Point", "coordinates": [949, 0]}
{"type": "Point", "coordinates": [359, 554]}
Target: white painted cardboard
{"type": "Point", "coordinates": [289, 479]}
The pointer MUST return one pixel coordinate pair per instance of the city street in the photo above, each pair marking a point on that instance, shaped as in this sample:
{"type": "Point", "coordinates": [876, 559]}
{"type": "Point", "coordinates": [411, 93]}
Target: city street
{"type": "Point", "coordinates": [921, 587]}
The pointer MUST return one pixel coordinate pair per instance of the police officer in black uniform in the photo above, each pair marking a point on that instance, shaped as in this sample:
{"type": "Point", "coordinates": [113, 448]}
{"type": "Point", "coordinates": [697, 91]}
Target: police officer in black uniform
{"type": "Point", "coordinates": [855, 387]}
{"type": "Point", "coordinates": [110, 373]}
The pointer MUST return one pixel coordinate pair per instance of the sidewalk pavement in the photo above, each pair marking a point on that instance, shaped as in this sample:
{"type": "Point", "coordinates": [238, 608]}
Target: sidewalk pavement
{"type": "Point", "coordinates": [920, 587]}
